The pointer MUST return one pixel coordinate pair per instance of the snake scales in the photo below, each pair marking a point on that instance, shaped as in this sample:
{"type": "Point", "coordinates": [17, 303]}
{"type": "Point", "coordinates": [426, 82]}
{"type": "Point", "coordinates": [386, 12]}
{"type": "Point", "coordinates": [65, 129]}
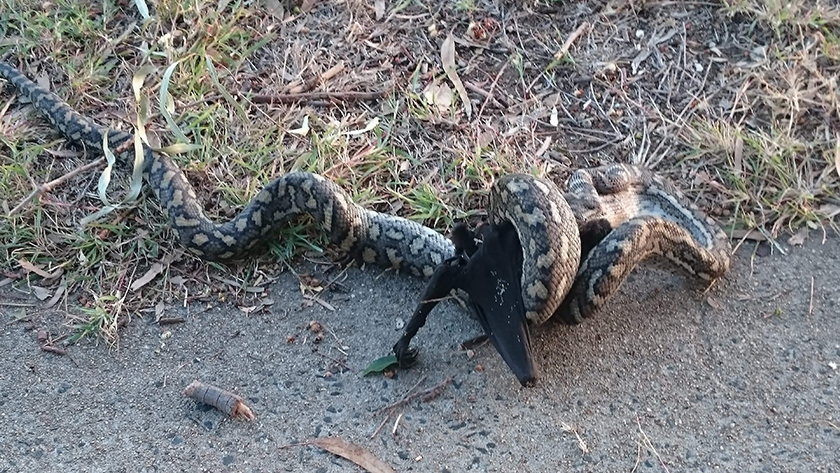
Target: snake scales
{"type": "Point", "coordinates": [620, 214]}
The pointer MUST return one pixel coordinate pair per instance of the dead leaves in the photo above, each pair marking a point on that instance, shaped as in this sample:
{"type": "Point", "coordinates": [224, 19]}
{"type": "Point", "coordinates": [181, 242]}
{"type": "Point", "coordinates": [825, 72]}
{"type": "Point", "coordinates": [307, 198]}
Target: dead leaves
{"type": "Point", "coordinates": [447, 57]}
{"type": "Point", "coordinates": [353, 452]}
{"type": "Point", "coordinates": [147, 277]}
{"type": "Point", "coordinates": [439, 96]}
{"type": "Point", "coordinates": [837, 153]}
{"type": "Point", "coordinates": [37, 270]}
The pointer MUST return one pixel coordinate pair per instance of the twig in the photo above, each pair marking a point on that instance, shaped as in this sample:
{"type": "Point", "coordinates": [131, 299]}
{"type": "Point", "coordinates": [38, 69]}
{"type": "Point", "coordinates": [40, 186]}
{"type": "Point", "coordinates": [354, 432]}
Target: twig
{"type": "Point", "coordinates": [379, 429]}
{"type": "Point", "coordinates": [811, 303]}
{"type": "Point", "coordinates": [315, 81]}
{"type": "Point", "coordinates": [649, 445]}
{"type": "Point", "coordinates": [308, 96]}
{"type": "Point", "coordinates": [52, 349]}
{"type": "Point", "coordinates": [427, 395]}
{"type": "Point", "coordinates": [563, 49]}
{"type": "Point", "coordinates": [492, 86]}
{"type": "Point", "coordinates": [44, 188]}
{"type": "Point", "coordinates": [334, 360]}
{"type": "Point", "coordinates": [396, 423]}
{"type": "Point", "coordinates": [407, 393]}
{"type": "Point", "coordinates": [498, 101]}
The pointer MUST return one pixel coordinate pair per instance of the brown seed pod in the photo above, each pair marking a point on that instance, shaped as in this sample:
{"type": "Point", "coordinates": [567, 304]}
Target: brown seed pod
{"type": "Point", "coordinates": [315, 326]}
{"type": "Point", "coordinates": [225, 401]}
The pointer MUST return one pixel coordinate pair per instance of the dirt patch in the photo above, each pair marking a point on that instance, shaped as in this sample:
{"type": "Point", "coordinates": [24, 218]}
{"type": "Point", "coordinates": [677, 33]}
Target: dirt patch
{"type": "Point", "coordinates": [742, 378]}
{"type": "Point", "coordinates": [736, 102]}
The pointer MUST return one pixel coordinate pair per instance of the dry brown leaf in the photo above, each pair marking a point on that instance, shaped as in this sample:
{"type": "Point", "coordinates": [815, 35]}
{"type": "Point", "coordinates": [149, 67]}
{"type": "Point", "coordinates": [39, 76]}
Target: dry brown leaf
{"type": "Point", "coordinates": [738, 154]}
{"type": "Point", "coordinates": [438, 96]}
{"type": "Point", "coordinates": [275, 8]}
{"type": "Point", "coordinates": [798, 238]}
{"type": "Point", "coordinates": [307, 5]}
{"type": "Point", "coordinates": [447, 57]}
{"type": "Point", "coordinates": [41, 293]}
{"type": "Point", "coordinates": [355, 453]}
{"type": "Point", "coordinates": [837, 154]}
{"type": "Point", "coordinates": [37, 270]}
{"type": "Point", "coordinates": [829, 210]}
{"type": "Point", "coordinates": [57, 296]}
{"type": "Point", "coordinates": [152, 273]}
{"type": "Point", "coordinates": [750, 234]}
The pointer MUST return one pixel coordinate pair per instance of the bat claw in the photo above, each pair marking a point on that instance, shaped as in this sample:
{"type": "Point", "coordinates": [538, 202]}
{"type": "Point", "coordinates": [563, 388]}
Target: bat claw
{"type": "Point", "coordinates": [406, 356]}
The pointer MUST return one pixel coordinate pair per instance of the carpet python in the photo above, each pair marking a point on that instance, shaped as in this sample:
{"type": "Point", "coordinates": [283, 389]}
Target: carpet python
{"type": "Point", "coordinates": [620, 214]}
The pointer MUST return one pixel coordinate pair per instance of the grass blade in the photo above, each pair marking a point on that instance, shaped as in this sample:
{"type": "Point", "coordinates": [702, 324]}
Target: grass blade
{"type": "Point", "coordinates": [164, 108]}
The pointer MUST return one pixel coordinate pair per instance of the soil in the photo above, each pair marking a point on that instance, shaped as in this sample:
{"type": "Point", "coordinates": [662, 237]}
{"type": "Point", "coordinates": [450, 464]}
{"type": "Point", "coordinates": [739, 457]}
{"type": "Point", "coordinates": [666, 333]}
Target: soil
{"type": "Point", "coordinates": [667, 378]}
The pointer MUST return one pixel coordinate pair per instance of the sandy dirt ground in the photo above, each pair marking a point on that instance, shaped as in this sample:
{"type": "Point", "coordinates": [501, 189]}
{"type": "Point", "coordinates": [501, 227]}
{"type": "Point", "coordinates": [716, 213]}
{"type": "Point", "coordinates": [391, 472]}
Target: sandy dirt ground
{"type": "Point", "coordinates": [667, 378]}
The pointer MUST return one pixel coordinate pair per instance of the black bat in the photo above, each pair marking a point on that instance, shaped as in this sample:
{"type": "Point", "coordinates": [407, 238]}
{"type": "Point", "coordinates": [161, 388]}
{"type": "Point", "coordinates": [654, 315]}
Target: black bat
{"type": "Point", "coordinates": [491, 274]}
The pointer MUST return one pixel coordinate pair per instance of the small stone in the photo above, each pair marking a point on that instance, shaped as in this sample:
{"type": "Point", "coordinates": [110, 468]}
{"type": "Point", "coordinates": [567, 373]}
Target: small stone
{"type": "Point", "coordinates": [640, 34]}
{"type": "Point", "coordinates": [227, 460]}
{"type": "Point", "coordinates": [832, 365]}
{"type": "Point", "coordinates": [470, 354]}
{"type": "Point", "coordinates": [315, 326]}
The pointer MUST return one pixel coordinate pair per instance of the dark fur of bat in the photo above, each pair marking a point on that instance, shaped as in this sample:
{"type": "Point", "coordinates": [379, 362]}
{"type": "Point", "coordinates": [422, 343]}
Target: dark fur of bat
{"type": "Point", "coordinates": [490, 273]}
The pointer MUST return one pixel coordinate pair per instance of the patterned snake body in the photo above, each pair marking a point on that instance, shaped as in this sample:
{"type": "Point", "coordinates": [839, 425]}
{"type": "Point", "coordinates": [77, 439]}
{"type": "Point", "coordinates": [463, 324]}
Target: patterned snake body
{"type": "Point", "coordinates": [620, 213]}
{"type": "Point", "coordinates": [646, 215]}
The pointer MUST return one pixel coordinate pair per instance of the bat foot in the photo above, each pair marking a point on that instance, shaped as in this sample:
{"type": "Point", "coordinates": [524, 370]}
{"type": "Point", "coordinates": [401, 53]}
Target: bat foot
{"type": "Point", "coordinates": [405, 354]}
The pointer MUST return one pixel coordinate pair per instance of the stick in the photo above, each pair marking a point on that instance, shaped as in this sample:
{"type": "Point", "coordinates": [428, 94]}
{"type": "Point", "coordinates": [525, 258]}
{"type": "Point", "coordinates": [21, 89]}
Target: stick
{"type": "Point", "coordinates": [306, 96]}
{"type": "Point", "coordinates": [334, 360]}
{"type": "Point", "coordinates": [498, 101]}
{"type": "Point", "coordinates": [492, 86]}
{"type": "Point", "coordinates": [310, 84]}
{"type": "Point", "coordinates": [44, 188]}
{"type": "Point", "coordinates": [571, 39]}
{"type": "Point", "coordinates": [427, 395]}
{"type": "Point", "coordinates": [564, 48]}
{"type": "Point", "coordinates": [52, 349]}
{"type": "Point", "coordinates": [379, 429]}
{"type": "Point", "coordinates": [407, 393]}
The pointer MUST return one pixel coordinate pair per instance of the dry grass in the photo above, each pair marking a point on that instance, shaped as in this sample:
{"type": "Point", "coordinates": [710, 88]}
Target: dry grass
{"type": "Point", "coordinates": [737, 102]}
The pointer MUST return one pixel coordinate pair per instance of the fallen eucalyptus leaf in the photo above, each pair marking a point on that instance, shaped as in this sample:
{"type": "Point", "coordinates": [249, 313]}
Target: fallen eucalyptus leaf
{"type": "Point", "coordinates": [380, 364]}
{"type": "Point", "coordinates": [447, 56]}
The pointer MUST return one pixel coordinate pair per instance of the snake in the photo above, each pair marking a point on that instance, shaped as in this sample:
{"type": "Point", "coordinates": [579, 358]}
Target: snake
{"type": "Point", "coordinates": [578, 246]}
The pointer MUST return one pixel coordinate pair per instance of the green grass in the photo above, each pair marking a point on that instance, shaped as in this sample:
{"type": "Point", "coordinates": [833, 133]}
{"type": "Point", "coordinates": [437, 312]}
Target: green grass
{"type": "Point", "coordinates": [428, 164]}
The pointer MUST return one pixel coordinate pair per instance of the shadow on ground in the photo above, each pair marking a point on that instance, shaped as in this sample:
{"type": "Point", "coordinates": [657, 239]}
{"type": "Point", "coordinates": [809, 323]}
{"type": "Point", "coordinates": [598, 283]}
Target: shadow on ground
{"type": "Point", "coordinates": [742, 378]}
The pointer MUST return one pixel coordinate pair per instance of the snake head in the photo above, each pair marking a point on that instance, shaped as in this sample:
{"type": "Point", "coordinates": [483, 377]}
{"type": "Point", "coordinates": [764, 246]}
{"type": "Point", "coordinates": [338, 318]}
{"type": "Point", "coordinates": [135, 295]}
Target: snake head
{"type": "Point", "coordinates": [492, 280]}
